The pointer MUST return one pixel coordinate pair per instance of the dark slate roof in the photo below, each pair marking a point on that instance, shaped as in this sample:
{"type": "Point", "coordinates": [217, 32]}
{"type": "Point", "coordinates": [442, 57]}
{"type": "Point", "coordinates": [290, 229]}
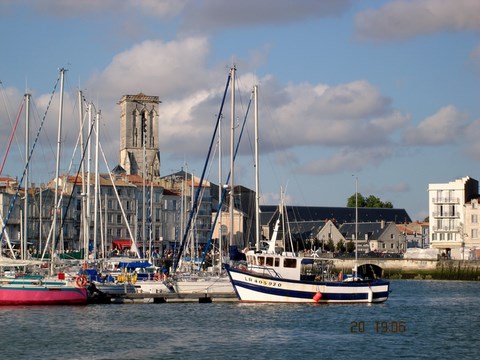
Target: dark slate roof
{"type": "Point", "coordinates": [305, 229]}
{"type": "Point", "coordinates": [245, 202]}
{"type": "Point", "coordinates": [373, 230]}
{"type": "Point", "coordinates": [341, 214]}
{"type": "Point", "coordinates": [118, 170]}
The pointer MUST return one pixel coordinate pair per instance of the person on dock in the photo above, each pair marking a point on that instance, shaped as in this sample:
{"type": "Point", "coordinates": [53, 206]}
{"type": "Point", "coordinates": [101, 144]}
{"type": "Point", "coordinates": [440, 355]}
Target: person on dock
{"type": "Point", "coordinates": [164, 272]}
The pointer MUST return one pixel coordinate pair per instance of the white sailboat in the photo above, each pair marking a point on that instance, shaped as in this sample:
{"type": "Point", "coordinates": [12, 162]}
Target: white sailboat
{"type": "Point", "coordinates": [216, 281]}
{"type": "Point", "coordinates": [36, 289]}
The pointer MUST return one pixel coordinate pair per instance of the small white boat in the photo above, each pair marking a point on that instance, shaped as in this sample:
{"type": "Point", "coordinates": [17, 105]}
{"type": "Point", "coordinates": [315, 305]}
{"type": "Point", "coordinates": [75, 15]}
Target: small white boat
{"type": "Point", "coordinates": [111, 288]}
{"type": "Point", "coordinates": [154, 287]}
{"type": "Point", "coordinates": [202, 283]}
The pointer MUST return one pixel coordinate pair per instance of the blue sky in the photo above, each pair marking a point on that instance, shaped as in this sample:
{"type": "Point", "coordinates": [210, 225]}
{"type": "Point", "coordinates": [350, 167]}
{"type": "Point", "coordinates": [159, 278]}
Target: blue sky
{"type": "Point", "coordinates": [385, 90]}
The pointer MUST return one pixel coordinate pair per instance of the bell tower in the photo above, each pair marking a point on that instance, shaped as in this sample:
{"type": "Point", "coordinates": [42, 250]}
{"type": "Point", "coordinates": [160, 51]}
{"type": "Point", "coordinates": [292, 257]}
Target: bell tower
{"type": "Point", "coordinates": [139, 151]}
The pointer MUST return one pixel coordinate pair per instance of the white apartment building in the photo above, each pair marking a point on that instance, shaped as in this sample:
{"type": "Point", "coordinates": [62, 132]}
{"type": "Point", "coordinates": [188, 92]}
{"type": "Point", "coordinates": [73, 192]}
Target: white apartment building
{"type": "Point", "coordinates": [472, 227]}
{"type": "Point", "coordinates": [447, 213]}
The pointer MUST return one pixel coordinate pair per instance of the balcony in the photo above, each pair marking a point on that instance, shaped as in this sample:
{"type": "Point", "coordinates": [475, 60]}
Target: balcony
{"type": "Point", "coordinates": [446, 214]}
{"type": "Point", "coordinates": [445, 229]}
{"type": "Point", "coordinates": [449, 200]}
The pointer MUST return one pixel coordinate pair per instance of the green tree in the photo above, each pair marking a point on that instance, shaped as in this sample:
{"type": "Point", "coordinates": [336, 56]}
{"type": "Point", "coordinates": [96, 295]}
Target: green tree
{"type": "Point", "coordinates": [350, 246]}
{"type": "Point", "coordinates": [341, 246]}
{"type": "Point", "coordinates": [369, 202]}
{"type": "Point", "coordinates": [352, 200]}
{"type": "Point", "coordinates": [330, 246]}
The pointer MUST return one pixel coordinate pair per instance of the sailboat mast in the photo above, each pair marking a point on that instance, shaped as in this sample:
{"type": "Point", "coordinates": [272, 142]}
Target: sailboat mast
{"type": "Point", "coordinates": [232, 149]}
{"type": "Point", "coordinates": [57, 170]}
{"type": "Point", "coordinates": [83, 229]}
{"type": "Point", "coordinates": [356, 224]}
{"type": "Point", "coordinates": [89, 179]}
{"type": "Point", "coordinates": [144, 176]}
{"type": "Point", "coordinates": [97, 186]}
{"type": "Point", "coordinates": [220, 197]}
{"type": "Point", "coordinates": [257, 172]}
{"type": "Point", "coordinates": [27, 145]}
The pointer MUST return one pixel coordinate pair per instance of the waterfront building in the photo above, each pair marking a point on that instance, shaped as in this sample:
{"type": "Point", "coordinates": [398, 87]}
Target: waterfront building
{"type": "Point", "coordinates": [186, 186]}
{"type": "Point", "coordinates": [472, 229]}
{"type": "Point", "coordinates": [328, 233]}
{"type": "Point", "coordinates": [416, 234]}
{"type": "Point", "coordinates": [8, 188]}
{"type": "Point", "coordinates": [447, 215]}
{"type": "Point", "coordinates": [382, 236]}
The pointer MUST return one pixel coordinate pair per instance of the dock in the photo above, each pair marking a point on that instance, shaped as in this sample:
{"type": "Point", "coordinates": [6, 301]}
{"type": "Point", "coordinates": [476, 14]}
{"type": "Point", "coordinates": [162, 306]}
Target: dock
{"type": "Point", "coordinates": [162, 298]}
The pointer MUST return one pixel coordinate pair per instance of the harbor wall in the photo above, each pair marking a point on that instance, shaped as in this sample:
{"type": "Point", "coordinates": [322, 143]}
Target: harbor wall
{"type": "Point", "coordinates": [418, 268]}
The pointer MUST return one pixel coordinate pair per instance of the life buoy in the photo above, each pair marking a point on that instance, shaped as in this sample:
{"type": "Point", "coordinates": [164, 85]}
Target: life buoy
{"type": "Point", "coordinates": [81, 281]}
{"type": "Point", "coordinates": [156, 277]}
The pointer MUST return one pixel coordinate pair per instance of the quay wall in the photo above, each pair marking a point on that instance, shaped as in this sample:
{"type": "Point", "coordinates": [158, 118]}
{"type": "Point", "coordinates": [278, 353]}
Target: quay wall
{"type": "Point", "coordinates": [418, 268]}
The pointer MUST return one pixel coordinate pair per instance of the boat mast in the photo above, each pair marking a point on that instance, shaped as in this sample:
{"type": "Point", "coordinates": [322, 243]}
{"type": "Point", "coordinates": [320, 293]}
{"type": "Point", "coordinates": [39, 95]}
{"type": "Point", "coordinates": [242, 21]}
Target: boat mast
{"type": "Point", "coordinates": [220, 197]}
{"type": "Point", "coordinates": [97, 187]}
{"type": "Point", "coordinates": [356, 225]}
{"type": "Point", "coordinates": [89, 181]}
{"type": "Point", "coordinates": [57, 170]}
{"type": "Point", "coordinates": [257, 171]}
{"type": "Point", "coordinates": [144, 175]}
{"type": "Point", "coordinates": [150, 221]}
{"type": "Point", "coordinates": [232, 148]}
{"type": "Point", "coordinates": [27, 145]}
{"type": "Point", "coordinates": [83, 227]}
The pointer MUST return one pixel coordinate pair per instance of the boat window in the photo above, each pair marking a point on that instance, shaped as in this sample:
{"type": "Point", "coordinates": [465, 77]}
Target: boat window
{"type": "Point", "coordinates": [290, 263]}
{"type": "Point", "coordinates": [277, 262]}
{"type": "Point", "coordinates": [269, 261]}
{"type": "Point", "coordinates": [261, 260]}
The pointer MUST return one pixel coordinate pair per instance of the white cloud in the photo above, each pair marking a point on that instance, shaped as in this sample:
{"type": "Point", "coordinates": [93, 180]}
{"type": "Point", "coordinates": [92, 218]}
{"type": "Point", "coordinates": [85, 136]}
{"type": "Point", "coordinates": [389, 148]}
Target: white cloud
{"type": "Point", "coordinates": [209, 15]}
{"type": "Point", "coordinates": [347, 160]}
{"type": "Point", "coordinates": [402, 19]}
{"type": "Point", "coordinates": [353, 114]}
{"type": "Point", "coordinates": [164, 68]}
{"type": "Point", "coordinates": [196, 16]}
{"type": "Point", "coordinates": [446, 126]}
{"type": "Point", "coordinates": [75, 8]}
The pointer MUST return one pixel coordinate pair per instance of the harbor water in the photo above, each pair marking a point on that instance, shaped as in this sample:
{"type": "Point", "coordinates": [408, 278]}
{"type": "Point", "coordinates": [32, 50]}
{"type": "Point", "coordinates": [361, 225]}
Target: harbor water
{"type": "Point", "coordinates": [420, 320]}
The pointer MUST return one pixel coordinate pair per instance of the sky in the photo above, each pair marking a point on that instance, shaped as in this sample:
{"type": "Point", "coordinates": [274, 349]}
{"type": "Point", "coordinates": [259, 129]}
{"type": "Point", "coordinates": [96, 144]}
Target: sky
{"type": "Point", "coordinates": [380, 96]}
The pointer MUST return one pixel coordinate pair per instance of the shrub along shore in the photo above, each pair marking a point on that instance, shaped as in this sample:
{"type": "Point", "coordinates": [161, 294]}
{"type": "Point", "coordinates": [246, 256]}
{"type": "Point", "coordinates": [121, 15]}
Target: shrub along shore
{"type": "Point", "coordinates": [426, 269]}
{"type": "Point", "coordinates": [445, 270]}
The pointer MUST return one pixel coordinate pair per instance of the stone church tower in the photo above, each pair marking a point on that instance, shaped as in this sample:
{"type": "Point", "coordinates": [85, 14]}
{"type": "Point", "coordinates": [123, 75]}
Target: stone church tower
{"type": "Point", "coordinates": [139, 151]}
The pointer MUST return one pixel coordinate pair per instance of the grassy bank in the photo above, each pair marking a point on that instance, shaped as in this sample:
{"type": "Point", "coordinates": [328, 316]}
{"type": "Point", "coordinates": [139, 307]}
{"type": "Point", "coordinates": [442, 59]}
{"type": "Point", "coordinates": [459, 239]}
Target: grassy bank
{"type": "Point", "coordinates": [445, 270]}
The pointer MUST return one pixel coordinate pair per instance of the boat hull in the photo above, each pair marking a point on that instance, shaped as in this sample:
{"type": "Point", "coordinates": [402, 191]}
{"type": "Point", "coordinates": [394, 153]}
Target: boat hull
{"type": "Point", "coordinates": [114, 288]}
{"type": "Point", "coordinates": [251, 287]}
{"type": "Point", "coordinates": [42, 295]}
{"type": "Point", "coordinates": [153, 287]}
{"type": "Point", "coordinates": [211, 285]}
